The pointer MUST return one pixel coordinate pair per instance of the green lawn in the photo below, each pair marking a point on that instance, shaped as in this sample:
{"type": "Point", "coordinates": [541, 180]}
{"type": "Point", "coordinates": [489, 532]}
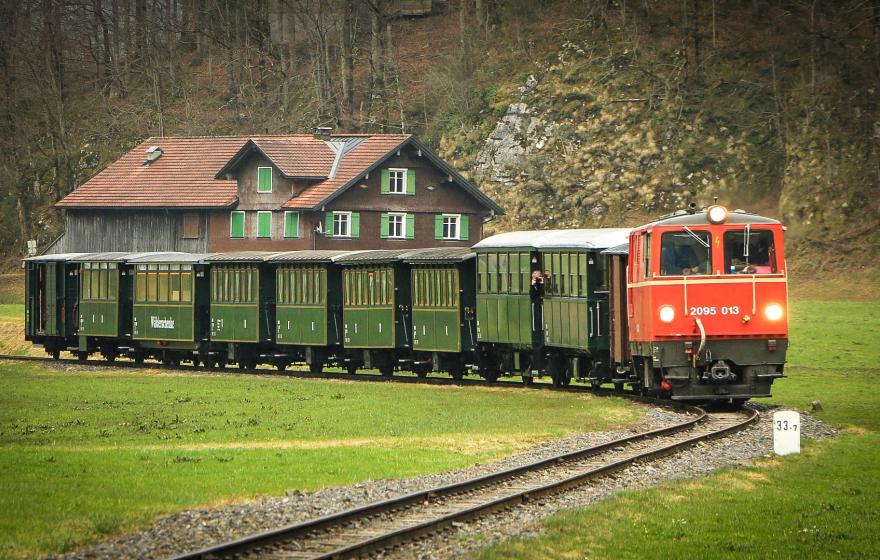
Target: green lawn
{"type": "Point", "coordinates": [86, 454]}
{"type": "Point", "coordinates": [822, 503]}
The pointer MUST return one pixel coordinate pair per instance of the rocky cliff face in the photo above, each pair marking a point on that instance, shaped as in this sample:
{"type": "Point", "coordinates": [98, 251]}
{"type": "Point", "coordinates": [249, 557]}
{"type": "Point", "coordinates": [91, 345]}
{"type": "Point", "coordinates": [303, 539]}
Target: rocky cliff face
{"type": "Point", "coordinates": [613, 128]}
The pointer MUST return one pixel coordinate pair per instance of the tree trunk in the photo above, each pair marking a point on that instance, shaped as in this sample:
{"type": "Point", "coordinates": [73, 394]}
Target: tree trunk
{"type": "Point", "coordinates": [347, 64]}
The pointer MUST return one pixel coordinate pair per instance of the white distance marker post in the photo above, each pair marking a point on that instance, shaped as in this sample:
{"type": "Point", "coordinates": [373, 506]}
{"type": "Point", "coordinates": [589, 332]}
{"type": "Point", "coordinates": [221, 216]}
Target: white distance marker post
{"type": "Point", "coordinates": [786, 432]}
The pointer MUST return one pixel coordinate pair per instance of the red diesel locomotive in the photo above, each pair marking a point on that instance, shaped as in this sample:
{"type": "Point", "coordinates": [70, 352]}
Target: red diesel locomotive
{"type": "Point", "coordinates": [707, 305]}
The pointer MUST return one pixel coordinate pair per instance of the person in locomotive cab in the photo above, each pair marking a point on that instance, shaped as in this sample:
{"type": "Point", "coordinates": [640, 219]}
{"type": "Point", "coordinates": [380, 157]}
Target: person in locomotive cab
{"type": "Point", "coordinates": [681, 260]}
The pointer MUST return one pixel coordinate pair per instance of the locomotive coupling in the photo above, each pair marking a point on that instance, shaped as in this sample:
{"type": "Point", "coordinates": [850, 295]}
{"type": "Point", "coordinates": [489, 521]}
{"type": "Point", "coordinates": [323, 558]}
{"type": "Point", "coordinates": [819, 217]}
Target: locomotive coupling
{"type": "Point", "coordinates": [720, 371]}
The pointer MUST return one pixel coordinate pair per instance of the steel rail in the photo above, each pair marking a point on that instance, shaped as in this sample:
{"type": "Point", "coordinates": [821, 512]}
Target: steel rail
{"type": "Point", "coordinates": [342, 376]}
{"type": "Point", "coordinates": [297, 531]}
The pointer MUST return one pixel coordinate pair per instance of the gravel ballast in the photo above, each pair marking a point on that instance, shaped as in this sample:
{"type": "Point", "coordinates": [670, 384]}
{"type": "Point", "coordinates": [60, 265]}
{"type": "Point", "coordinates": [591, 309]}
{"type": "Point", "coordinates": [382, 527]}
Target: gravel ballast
{"type": "Point", "coordinates": [191, 530]}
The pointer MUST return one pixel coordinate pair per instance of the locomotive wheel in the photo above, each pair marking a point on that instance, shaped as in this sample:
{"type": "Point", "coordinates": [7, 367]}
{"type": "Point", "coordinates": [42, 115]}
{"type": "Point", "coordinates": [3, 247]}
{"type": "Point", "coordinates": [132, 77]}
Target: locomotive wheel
{"type": "Point", "coordinates": [491, 376]}
{"type": "Point", "coordinates": [618, 387]}
{"type": "Point", "coordinates": [316, 368]}
{"type": "Point", "coordinates": [528, 381]}
{"type": "Point", "coordinates": [281, 366]}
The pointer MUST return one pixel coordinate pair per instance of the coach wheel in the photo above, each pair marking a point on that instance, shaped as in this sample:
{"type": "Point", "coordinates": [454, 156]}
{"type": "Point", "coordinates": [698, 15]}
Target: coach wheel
{"type": "Point", "coordinates": [558, 371]}
{"type": "Point", "coordinates": [491, 376]}
{"type": "Point", "coordinates": [56, 354]}
{"type": "Point", "coordinates": [351, 367]}
{"type": "Point", "coordinates": [248, 363]}
{"type": "Point", "coordinates": [387, 370]}
{"type": "Point", "coordinates": [618, 387]}
{"type": "Point", "coordinates": [457, 373]}
{"type": "Point", "coordinates": [528, 380]}
{"type": "Point", "coordinates": [82, 356]}
{"type": "Point", "coordinates": [423, 373]}
{"type": "Point", "coordinates": [281, 365]}
{"type": "Point", "coordinates": [316, 367]}
{"type": "Point", "coordinates": [139, 358]}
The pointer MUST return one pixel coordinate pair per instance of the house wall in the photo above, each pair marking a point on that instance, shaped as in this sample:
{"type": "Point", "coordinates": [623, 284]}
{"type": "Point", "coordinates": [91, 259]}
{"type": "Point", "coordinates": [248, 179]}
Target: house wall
{"type": "Point", "coordinates": [134, 230]}
{"type": "Point", "coordinates": [282, 189]}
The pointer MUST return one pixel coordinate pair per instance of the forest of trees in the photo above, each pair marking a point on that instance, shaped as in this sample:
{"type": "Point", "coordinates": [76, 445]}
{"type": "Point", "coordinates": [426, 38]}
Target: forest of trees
{"type": "Point", "coordinates": [85, 80]}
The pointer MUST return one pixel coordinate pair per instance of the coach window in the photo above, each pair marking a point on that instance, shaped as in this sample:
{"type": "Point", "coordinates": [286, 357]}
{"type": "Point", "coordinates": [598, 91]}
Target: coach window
{"type": "Point", "coordinates": [749, 251]}
{"type": "Point", "coordinates": [646, 250]}
{"type": "Point", "coordinates": [683, 253]}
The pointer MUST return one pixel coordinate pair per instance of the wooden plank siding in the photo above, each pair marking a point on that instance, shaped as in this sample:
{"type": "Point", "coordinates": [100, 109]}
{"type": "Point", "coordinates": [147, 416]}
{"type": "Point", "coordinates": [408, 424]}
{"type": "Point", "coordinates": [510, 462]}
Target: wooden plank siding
{"type": "Point", "coordinates": [134, 231]}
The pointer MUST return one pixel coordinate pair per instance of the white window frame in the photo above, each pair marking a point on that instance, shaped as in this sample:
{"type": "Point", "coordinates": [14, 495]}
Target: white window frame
{"type": "Point", "coordinates": [261, 213]}
{"type": "Point", "coordinates": [457, 223]}
{"type": "Point", "coordinates": [402, 216]}
{"type": "Point", "coordinates": [287, 234]}
{"type": "Point", "coordinates": [347, 222]}
{"type": "Point", "coordinates": [391, 183]}
{"type": "Point", "coordinates": [243, 224]}
{"type": "Point", "coordinates": [271, 179]}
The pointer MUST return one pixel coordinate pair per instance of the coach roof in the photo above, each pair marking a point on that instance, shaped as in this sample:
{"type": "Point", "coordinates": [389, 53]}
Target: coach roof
{"type": "Point", "coordinates": [599, 238]}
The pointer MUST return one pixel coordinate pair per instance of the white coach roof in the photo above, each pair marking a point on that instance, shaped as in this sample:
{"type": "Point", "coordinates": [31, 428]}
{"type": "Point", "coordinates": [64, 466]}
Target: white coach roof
{"type": "Point", "coordinates": [598, 238]}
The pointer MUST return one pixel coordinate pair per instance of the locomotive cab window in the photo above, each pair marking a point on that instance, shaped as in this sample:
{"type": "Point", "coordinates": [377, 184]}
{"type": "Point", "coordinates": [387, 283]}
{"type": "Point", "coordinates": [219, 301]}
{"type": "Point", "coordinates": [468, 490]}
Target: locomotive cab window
{"type": "Point", "coordinates": [684, 253]}
{"type": "Point", "coordinates": [749, 251]}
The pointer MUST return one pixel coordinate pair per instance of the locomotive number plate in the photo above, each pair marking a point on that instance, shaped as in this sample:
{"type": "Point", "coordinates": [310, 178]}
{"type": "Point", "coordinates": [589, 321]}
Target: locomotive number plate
{"type": "Point", "coordinates": [713, 310]}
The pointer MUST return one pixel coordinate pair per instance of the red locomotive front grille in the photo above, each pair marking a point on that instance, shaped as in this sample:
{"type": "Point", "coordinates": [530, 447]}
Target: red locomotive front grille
{"type": "Point", "coordinates": [726, 306]}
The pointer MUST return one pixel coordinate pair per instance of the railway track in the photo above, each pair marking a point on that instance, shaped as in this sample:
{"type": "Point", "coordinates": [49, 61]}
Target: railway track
{"type": "Point", "coordinates": [385, 524]}
{"type": "Point", "coordinates": [343, 376]}
{"type": "Point", "coordinates": [382, 525]}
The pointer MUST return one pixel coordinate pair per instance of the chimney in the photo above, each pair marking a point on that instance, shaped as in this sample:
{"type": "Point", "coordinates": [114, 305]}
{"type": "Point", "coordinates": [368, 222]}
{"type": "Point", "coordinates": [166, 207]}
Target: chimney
{"type": "Point", "coordinates": [323, 132]}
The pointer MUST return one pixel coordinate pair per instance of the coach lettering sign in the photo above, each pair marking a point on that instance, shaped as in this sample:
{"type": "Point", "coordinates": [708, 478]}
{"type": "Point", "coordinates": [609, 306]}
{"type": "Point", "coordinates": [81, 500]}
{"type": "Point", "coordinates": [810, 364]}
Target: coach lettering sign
{"type": "Point", "coordinates": [158, 323]}
{"type": "Point", "coordinates": [786, 432]}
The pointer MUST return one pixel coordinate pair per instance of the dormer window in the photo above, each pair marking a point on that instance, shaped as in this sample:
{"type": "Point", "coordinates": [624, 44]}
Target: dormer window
{"type": "Point", "coordinates": [264, 179]}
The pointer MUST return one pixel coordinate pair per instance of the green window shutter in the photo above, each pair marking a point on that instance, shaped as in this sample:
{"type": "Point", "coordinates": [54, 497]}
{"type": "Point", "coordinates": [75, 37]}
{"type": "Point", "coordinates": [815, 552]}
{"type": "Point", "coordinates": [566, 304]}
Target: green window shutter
{"type": "Point", "coordinates": [463, 227]}
{"type": "Point", "coordinates": [383, 226]}
{"type": "Point", "coordinates": [264, 224]}
{"type": "Point", "coordinates": [328, 224]}
{"type": "Point", "coordinates": [264, 179]}
{"type": "Point", "coordinates": [386, 182]}
{"type": "Point", "coordinates": [410, 226]}
{"type": "Point", "coordinates": [236, 224]}
{"type": "Point", "coordinates": [355, 224]}
{"type": "Point", "coordinates": [291, 224]}
{"type": "Point", "coordinates": [438, 226]}
{"type": "Point", "coordinates": [410, 181]}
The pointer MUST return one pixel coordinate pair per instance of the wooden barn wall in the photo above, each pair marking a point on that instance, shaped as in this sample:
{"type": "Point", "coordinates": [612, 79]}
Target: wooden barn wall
{"type": "Point", "coordinates": [95, 231]}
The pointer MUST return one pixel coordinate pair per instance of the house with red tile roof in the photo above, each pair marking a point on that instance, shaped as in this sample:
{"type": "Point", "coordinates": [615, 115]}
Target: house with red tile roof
{"type": "Point", "coordinates": [322, 191]}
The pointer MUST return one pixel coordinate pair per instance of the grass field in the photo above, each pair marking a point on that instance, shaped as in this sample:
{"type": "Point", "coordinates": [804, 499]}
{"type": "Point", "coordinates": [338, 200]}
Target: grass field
{"type": "Point", "coordinates": [87, 454]}
{"type": "Point", "coordinates": [820, 504]}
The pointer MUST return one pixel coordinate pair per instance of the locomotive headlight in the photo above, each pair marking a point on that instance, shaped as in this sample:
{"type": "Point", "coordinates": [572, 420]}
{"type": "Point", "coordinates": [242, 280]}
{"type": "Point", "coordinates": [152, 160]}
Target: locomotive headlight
{"type": "Point", "coordinates": [667, 313]}
{"type": "Point", "coordinates": [773, 312]}
{"type": "Point", "coordinates": [717, 214]}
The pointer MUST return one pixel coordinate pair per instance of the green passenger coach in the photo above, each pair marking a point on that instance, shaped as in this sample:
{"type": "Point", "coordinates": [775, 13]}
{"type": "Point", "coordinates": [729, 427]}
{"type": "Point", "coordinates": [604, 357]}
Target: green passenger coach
{"type": "Point", "coordinates": [508, 314]}
{"type": "Point", "coordinates": [575, 300]}
{"type": "Point", "coordinates": [52, 288]}
{"type": "Point", "coordinates": [242, 311]}
{"type": "Point", "coordinates": [170, 307]}
{"type": "Point", "coordinates": [308, 305]}
{"type": "Point", "coordinates": [443, 308]}
{"type": "Point", "coordinates": [375, 304]}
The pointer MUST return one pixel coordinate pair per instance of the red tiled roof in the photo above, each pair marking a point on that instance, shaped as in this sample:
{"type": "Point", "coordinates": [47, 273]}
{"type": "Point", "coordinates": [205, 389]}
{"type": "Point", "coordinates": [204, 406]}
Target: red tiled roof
{"type": "Point", "coordinates": [369, 152]}
{"type": "Point", "coordinates": [297, 156]}
{"type": "Point", "coordinates": [182, 177]}
{"type": "Point", "coordinates": [186, 175]}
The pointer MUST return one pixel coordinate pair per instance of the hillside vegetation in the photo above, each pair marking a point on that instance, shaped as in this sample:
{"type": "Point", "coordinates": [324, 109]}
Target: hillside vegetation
{"type": "Point", "coordinates": [569, 113]}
